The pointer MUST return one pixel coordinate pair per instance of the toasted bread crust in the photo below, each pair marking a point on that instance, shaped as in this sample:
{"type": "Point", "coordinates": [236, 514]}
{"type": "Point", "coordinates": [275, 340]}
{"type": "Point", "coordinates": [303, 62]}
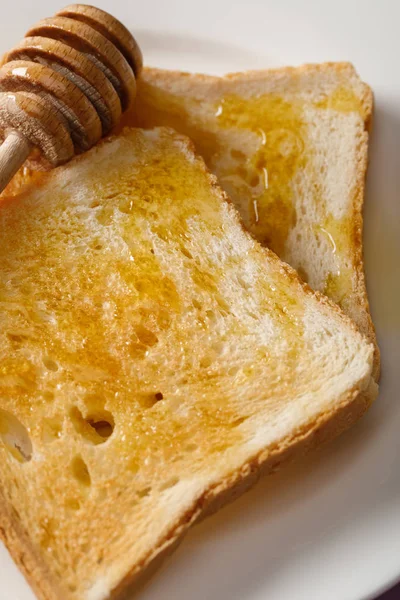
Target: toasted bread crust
{"type": "Point", "coordinates": [328, 427]}
{"type": "Point", "coordinates": [29, 561]}
{"type": "Point", "coordinates": [358, 203]}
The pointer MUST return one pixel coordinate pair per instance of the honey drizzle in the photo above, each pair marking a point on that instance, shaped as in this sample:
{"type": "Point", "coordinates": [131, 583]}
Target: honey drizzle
{"type": "Point", "coordinates": [260, 181]}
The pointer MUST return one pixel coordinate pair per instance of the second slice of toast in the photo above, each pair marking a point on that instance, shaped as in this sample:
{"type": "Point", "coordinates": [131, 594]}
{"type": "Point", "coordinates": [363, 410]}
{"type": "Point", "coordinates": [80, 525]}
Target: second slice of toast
{"type": "Point", "coordinates": [289, 146]}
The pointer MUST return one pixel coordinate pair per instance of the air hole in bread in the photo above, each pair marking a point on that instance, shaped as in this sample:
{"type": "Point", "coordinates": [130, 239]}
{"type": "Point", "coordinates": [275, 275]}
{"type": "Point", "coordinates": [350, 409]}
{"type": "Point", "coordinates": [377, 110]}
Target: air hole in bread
{"type": "Point", "coordinates": [186, 252]}
{"type": "Point", "coordinates": [50, 364]}
{"type": "Point", "coordinates": [220, 448]}
{"type": "Point", "coordinates": [133, 466]}
{"type": "Point", "coordinates": [197, 304]}
{"type": "Point", "coordinates": [144, 492]}
{"type": "Point", "coordinates": [191, 447]}
{"type": "Point", "coordinates": [80, 471]}
{"type": "Point", "coordinates": [238, 421]}
{"type": "Point", "coordinates": [15, 437]}
{"type": "Point", "coordinates": [18, 337]}
{"type": "Point", "coordinates": [95, 427]}
{"type": "Point", "coordinates": [170, 483]}
{"type": "Point", "coordinates": [48, 396]}
{"type": "Point", "coordinates": [162, 233]}
{"type": "Point", "coordinates": [241, 282]}
{"type": "Point", "coordinates": [111, 195]}
{"type": "Point", "coordinates": [103, 428]}
{"type": "Point", "coordinates": [145, 336]}
{"type": "Point", "coordinates": [206, 362]}
{"type": "Point", "coordinates": [47, 529]}
{"type": "Point", "coordinates": [211, 316]}
{"type": "Point", "coordinates": [95, 204]}
{"type": "Point", "coordinates": [178, 458]}
{"type": "Point", "coordinates": [255, 180]}
{"type": "Point", "coordinates": [72, 504]}
{"type": "Point", "coordinates": [222, 303]}
{"type": "Point", "coordinates": [52, 429]}
{"type": "Point", "coordinates": [143, 285]}
{"type": "Point", "coordinates": [15, 513]}
{"type": "Point", "coordinates": [238, 155]}
{"type": "Point", "coordinates": [149, 400]}
{"type": "Point", "coordinates": [97, 245]}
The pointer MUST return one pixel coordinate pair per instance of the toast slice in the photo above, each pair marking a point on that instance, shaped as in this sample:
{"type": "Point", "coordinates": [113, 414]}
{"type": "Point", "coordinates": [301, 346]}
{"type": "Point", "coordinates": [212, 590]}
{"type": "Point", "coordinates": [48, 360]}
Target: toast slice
{"type": "Point", "coordinates": [154, 360]}
{"type": "Point", "coordinates": [289, 146]}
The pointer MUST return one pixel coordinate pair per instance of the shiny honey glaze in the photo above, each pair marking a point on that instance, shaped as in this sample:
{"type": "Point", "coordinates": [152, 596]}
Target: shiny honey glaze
{"type": "Point", "coordinates": [260, 182]}
{"type": "Point", "coordinates": [340, 233]}
{"type": "Point", "coordinates": [342, 100]}
{"type": "Point", "coordinates": [284, 151]}
{"type": "Point", "coordinates": [106, 330]}
{"type": "Point", "coordinates": [265, 178]}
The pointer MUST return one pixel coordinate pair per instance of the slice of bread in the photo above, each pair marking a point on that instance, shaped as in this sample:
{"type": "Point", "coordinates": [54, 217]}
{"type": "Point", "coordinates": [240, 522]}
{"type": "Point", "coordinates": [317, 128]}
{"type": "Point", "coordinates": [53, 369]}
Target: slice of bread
{"type": "Point", "coordinates": [289, 146]}
{"type": "Point", "coordinates": [154, 360]}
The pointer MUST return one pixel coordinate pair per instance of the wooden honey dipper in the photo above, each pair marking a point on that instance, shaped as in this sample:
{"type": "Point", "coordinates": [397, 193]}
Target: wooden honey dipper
{"type": "Point", "coordinates": [65, 86]}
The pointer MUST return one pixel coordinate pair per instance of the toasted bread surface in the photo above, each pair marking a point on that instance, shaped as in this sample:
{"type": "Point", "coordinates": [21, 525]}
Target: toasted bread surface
{"type": "Point", "coordinates": [155, 359]}
{"type": "Point", "coordinates": [289, 146]}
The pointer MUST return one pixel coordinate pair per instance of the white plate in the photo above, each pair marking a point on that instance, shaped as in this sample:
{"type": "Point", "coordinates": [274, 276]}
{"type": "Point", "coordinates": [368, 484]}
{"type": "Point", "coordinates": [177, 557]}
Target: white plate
{"type": "Point", "coordinates": [328, 529]}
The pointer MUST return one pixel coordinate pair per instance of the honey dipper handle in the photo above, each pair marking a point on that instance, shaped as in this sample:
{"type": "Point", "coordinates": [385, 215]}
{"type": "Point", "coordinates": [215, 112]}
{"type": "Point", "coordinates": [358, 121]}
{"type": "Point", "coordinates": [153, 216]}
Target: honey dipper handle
{"type": "Point", "coordinates": [13, 153]}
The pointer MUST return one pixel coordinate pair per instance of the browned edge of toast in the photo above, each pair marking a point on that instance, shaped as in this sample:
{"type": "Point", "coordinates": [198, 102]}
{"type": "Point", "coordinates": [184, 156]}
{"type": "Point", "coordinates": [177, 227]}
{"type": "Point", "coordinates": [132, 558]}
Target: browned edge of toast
{"type": "Point", "coordinates": [329, 426]}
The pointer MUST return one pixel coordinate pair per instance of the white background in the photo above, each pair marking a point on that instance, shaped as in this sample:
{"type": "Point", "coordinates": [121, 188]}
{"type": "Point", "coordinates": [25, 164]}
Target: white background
{"type": "Point", "coordinates": [328, 529]}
